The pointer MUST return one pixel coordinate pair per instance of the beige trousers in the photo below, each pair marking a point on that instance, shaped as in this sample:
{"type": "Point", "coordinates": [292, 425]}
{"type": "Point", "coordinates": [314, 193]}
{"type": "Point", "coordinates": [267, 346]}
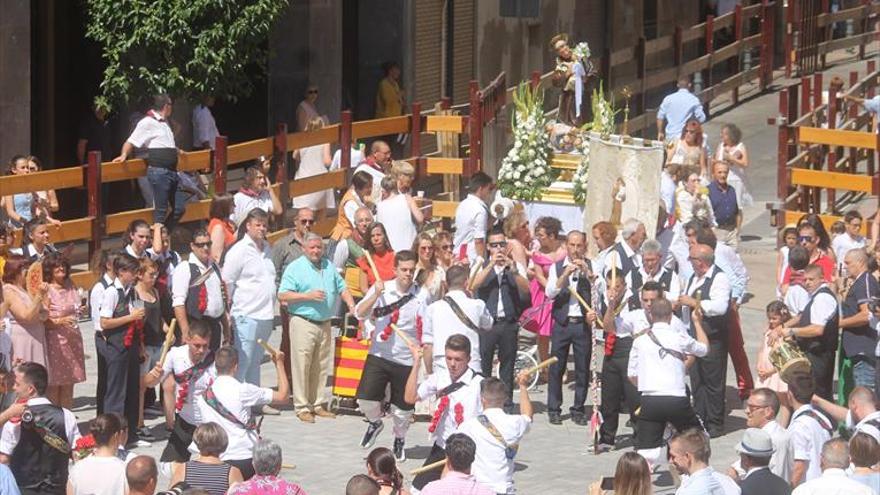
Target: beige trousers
{"type": "Point", "coordinates": [729, 237]}
{"type": "Point", "coordinates": [311, 358]}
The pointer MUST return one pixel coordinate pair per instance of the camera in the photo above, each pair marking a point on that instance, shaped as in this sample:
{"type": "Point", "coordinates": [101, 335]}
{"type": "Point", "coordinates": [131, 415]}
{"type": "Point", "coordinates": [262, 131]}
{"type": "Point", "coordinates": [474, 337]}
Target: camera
{"type": "Point", "coordinates": [177, 489]}
{"type": "Point", "coordinates": [872, 302]}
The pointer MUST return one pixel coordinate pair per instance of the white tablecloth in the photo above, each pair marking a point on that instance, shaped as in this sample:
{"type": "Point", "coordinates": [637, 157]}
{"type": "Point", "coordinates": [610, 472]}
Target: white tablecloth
{"type": "Point", "coordinates": [571, 216]}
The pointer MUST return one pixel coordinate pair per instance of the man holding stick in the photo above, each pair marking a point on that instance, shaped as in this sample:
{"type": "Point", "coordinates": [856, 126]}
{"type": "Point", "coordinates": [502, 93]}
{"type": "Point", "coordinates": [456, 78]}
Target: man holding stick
{"type": "Point", "coordinates": [199, 293]}
{"type": "Point", "coordinates": [392, 317]}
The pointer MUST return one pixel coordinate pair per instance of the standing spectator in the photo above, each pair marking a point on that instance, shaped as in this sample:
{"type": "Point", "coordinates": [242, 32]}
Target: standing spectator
{"type": "Point", "coordinates": [35, 244]}
{"type": "Point", "coordinates": [382, 467]}
{"type": "Point", "coordinates": [102, 265]}
{"type": "Point", "coordinates": [728, 214]}
{"type": "Point", "coordinates": [768, 376]}
{"type": "Point", "coordinates": [313, 160]}
{"type": "Point", "coordinates": [250, 277]}
{"type": "Point", "coordinates": [94, 135]}
{"type": "Point", "coordinates": [390, 100]}
{"type": "Point", "coordinates": [809, 429]}
{"type": "Point", "coordinates": [460, 455]}
{"type": "Point", "coordinates": [102, 472]}
{"type": "Point", "coordinates": [789, 241]}
{"type": "Point", "coordinates": [377, 164]}
{"type": "Point", "coordinates": [200, 293]}
{"type": "Point", "coordinates": [382, 254]}
{"type": "Point", "coordinates": [256, 192]}
{"type": "Point", "coordinates": [292, 246]}
{"type": "Point", "coordinates": [676, 109]}
{"type": "Point", "coordinates": [692, 200]}
{"type": "Point", "coordinates": [762, 408]}
{"type": "Point", "coordinates": [859, 340]}
{"type": "Point", "coordinates": [204, 127]}
{"type": "Point", "coordinates": [472, 217]}
{"type": "Point", "coordinates": [356, 156]}
{"type": "Point", "coordinates": [64, 344]}
{"type": "Point", "coordinates": [267, 466]}
{"type": "Point", "coordinates": [136, 239]}
{"type": "Point", "coordinates": [810, 238]}
{"type": "Point", "coordinates": [24, 207]}
{"type": "Point", "coordinates": [306, 111]}
{"type": "Point", "coordinates": [310, 288]}
{"type": "Point", "coordinates": [142, 475]}
{"type": "Point", "coordinates": [756, 451]}
{"type": "Point", "coordinates": [732, 151]}
{"type": "Point", "coordinates": [430, 276]}
{"type": "Point", "coordinates": [835, 460]}
{"type": "Point", "coordinates": [358, 195]}
{"type": "Point", "coordinates": [154, 133]}
{"type": "Point", "coordinates": [851, 239]}
{"type": "Point", "coordinates": [26, 313]}
{"type": "Point", "coordinates": [37, 468]}
{"type": "Point", "coordinates": [689, 455]}
{"type": "Point", "coordinates": [349, 250]}
{"type": "Point", "coordinates": [690, 150]}
{"type": "Point", "coordinates": [824, 240]}
{"type": "Point", "coordinates": [864, 452]}
{"type": "Point", "coordinates": [152, 333]}
{"type": "Point", "coordinates": [402, 217]}
{"type": "Point", "coordinates": [207, 471]}
{"type": "Point", "coordinates": [632, 476]}
{"type": "Point", "coordinates": [519, 238]}
{"type": "Point", "coordinates": [445, 255]}
{"type": "Point", "coordinates": [221, 228]}
{"type": "Point", "coordinates": [551, 249]}
{"type": "Point", "coordinates": [404, 173]}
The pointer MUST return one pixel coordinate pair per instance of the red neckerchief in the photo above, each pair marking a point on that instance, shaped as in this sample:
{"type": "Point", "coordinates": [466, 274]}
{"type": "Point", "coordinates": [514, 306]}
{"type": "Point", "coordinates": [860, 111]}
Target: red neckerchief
{"type": "Point", "coordinates": [249, 192]}
{"type": "Point", "coordinates": [372, 163]}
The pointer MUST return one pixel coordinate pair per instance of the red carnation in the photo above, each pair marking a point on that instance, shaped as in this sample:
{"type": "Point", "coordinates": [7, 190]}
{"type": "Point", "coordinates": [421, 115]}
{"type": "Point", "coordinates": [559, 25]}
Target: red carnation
{"type": "Point", "coordinates": [441, 408]}
{"type": "Point", "coordinates": [203, 298]}
{"type": "Point", "coordinates": [419, 328]}
{"type": "Point", "coordinates": [459, 413]}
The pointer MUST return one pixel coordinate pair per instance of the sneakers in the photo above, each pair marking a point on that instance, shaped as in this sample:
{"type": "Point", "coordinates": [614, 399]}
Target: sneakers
{"type": "Point", "coordinates": [399, 453]}
{"type": "Point", "coordinates": [373, 430]}
{"type": "Point", "coordinates": [144, 434]}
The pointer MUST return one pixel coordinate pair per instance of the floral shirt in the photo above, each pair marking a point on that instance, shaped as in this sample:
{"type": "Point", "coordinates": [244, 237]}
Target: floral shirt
{"type": "Point", "coordinates": [266, 485]}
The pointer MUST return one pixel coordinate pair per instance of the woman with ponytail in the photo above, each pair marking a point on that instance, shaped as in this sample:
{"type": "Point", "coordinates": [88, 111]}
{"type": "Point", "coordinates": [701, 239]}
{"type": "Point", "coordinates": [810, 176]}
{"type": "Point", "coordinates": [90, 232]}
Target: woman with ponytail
{"type": "Point", "coordinates": [382, 467]}
{"type": "Point", "coordinates": [102, 472]}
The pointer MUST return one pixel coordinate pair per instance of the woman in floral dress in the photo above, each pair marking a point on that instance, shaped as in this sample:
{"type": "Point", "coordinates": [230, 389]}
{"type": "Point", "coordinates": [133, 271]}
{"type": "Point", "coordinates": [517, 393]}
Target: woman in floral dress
{"type": "Point", "coordinates": [64, 344]}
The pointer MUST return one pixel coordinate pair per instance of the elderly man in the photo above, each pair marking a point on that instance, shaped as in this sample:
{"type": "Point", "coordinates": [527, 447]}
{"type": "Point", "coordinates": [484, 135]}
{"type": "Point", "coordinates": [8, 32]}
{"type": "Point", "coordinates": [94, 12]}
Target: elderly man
{"type": "Point", "coordinates": [267, 466]}
{"type": "Point", "coordinates": [708, 291]}
{"type": "Point", "coordinates": [676, 109]}
{"type": "Point", "coordinates": [756, 451]}
{"type": "Point", "coordinates": [728, 215]}
{"type": "Point", "coordinates": [652, 270]}
{"type": "Point", "coordinates": [198, 293]}
{"type": "Point", "coordinates": [310, 287]}
{"type": "Point", "coordinates": [834, 462]}
{"type": "Point", "coordinates": [348, 250]}
{"type": "Point", "coordinates": [858, 338]}
{"type": "Point", "coordinates": [625, 254]}
{"type": "Point", "coordinates": [377, 164]}
{"type": "Point", "coordinates": [142, 475]}
{"type": "Point", "coordinates": [762, 408]}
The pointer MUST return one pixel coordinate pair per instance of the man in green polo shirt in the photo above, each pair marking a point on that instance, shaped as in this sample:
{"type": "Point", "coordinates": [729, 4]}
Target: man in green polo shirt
{"type": "Point", "coordinates": [310, 287]}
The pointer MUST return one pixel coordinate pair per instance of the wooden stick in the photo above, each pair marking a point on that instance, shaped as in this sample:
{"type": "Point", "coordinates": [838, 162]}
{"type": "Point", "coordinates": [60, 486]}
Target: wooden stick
{"type": "Point", "coordinates": [543, 364]}
{"type": "Point", "coordinates": [402, 335]}
{"type": "Point", "coordinates": [588, 308]}
{"type": "Point", "coordinates": [271, 350]}
{"type": "Point", "coordinates": [429, 467]}
{"type": "Point", "coordinates": [372, 264]}
{"type": "Point", "coordinates": [614, 269]}
{"type": "Point", "coordinates": [169, 340]}
{"type": "Point", "coordinates": [288, 466]}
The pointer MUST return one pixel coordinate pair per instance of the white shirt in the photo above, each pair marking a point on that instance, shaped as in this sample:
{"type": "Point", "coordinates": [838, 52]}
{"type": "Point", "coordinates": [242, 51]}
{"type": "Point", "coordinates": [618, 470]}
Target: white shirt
{"type": "Point", "coordinates": [98, 476]}
{"type": "Point", "coordinates": [646, 364]}
{"type": "Point", "coordinates": [868, 429]}
{"type": "Point", "coordinates": [693, 205]}
{"type": "Point", "coordinates": [377, 179]}
{"type": "Point", "coordinates": [152, 133]}
{"type": "Point", "coordinates": [632, 322]}
{"type": "Point", "coordinates": [491, 465]}
{"type": "Point", "coordinates": [178, 361]}
{"type": "Point", "coordinates": [250, 279]}
{"type": "Point", "coordinates": [780, 461]}
{"type": "Point", "coordinates": [612, 257]}
{"type": "Point", "coordinates": [395, 215]}
{"type": "Point", "coordinates": [842, 244]}
{"type": "Point", "coordinates": [96, 298]}
{"type": "Point", "coordinates": [833, 482]}
{"type": "Point", "coordinates": [180, 282]}
{"type": "Point", "coordinates": [719, 293]}
{"type": "Point", "coordinates": [238, 398]}
{"type": "Point", "coordinates": [12, 431]}
{"type": "Point", "coordinates": [244, 204]}
{"type": "Point", "coordinates": [393, 349]}
{"type": "Point", "coordinates": [727, 259]}
{"type": "Point", "coordinates": [807, 437]}
{"type": "Point", "coordinates": [824, 307]}
{"type": "Point", "coordinates": [674, 281]}
{"type": "Point", "coordinates": [551, 290]}
{"type": "Point", "coordinates": [471, 220]}
{"type": "Point", "coordinates": [204, 126]}
{"type": "Point", "coordinates": [441, 322]}
{"type": "Point", "coordinates": [667, 192]}
{"type": "Point", "coordinates": [467, 396]}
{"type": "Point", "coordinates": [703, 482]}
{"type": "Point", "coordinates": [357, 156]}
{"type": "Point", "coordinates": [796, 299]}
{"type": "Point", "coordinates": [111, 297]}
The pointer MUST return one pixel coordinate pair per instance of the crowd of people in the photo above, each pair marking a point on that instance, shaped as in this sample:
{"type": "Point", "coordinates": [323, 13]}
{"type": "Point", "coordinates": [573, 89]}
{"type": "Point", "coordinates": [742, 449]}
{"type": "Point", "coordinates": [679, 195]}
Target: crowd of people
{"type": "Point", "coordinates": [438, 309]}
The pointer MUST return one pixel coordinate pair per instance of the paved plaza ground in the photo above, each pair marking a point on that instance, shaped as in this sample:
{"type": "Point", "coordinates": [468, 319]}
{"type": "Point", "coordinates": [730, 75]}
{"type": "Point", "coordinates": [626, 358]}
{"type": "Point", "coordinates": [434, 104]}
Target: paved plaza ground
{"type": "Point", "coordinates": [551, 459]}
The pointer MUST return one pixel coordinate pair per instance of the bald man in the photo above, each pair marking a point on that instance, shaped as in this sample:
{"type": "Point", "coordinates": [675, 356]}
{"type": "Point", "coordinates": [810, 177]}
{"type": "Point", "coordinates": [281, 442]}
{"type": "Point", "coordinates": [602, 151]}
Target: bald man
{"type": "Point", "coordinates": [860, 415]}
{"type": "Point", "coordinates": [858, 339]}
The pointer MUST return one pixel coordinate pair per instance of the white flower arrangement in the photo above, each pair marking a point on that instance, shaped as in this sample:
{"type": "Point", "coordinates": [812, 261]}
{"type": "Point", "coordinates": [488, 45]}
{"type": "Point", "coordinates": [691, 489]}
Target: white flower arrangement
{"type": "Point", "coordinates": [525, 172]}
{"type": "Point", "coordinates": [603, 124]}
{"type": "Point", "coordinates": [582, 50]}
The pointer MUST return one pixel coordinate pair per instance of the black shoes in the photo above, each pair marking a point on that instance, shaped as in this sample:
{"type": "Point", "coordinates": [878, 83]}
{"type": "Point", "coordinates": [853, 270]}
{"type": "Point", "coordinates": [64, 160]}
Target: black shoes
{"type": "Point", "coordinates": [555, 418]}
{"type": "Point", "coordinates": [580, 419]}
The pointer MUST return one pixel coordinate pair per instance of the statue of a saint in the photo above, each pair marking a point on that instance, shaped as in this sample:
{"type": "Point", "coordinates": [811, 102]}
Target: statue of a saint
{"type": "Point", "coordinates": [574, 71]}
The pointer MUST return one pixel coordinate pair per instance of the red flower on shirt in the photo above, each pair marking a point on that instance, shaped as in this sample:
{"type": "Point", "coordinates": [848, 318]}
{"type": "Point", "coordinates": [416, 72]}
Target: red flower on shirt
{"type": "Point", "coordinates": [459, 413]}
{"type": "Point", "coordinates": [441, 408]}
{"type": "Point", "coordinates": [419, 328]}
{"type": "Point", "coordinates": [135, 331]}
{"type": "Point", "coordinates": [386, 332]}
{"type": "Point", "coordinates": [203, 298]}
{"type": "Point", "coordinates": [182, 392]}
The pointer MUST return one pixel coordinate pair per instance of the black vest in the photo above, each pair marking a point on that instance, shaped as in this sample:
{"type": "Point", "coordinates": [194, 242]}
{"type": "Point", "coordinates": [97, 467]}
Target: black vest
{"type": "Point", "coordinates": [117, 335]}
{"type": "Point", "coordinates": [626, 264]}
{"type": "Point", "coordinates": [827, 342]}
{"type": "Point", "coordinates": [714, 326]}
{"type": "Point", "coordinates": [636, 283]}
{"type": "Point", "coordinates": [192, 294]}
{"type": "Point", "coordinates": [858, 340]}
{"type": "Point", "coordinates": [506, 294]}
{"type": "Point", "coordinates": [560, 303]}
{"type": "Point", "coordinates": [35, 463]}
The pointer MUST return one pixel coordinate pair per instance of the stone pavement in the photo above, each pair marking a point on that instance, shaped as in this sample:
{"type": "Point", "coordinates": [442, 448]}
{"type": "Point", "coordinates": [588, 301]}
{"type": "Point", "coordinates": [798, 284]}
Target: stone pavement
{"type": "Point", "coordinates": [552, 459]}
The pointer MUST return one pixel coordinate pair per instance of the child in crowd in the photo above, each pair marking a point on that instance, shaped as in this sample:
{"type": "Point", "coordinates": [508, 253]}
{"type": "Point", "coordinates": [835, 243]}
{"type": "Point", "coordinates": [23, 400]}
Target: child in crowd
{"type": "Point", "coordinates": [789, 240]}
{"type": "Point", "coordinates": [768, 377]}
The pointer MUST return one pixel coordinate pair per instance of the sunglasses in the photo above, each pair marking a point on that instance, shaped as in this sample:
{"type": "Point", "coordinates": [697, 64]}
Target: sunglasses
{"type": "Point", "coordinates": [426, 248]}
{"type": "Point", "coordinates": [202, 244]}
{"type": "Point", "coordinates": [306, 222]}
{"type": "Point", "coordinates": [446, 247]}
{"type": "Point", "coordinates": [856, 225]}
{"type": "Point", "coordinates": [805, 238]}
{"type": "Point", "coordinates": [498, 244]}
{"type": "Point", "coordinates": [313, 91]}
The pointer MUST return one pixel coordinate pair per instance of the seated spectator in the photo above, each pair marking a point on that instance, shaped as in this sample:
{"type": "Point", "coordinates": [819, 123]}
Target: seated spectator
{"type": "Point", "coordinates": [460, 453]}
{"type": "Point", "coordinates": [47, 199]}
{"type": "Point", "coordinates": [382, 467]}
{"type": "Point", "coordinates": [106, 429]}
{"type": "Point", "coordinates": [207, 471]}
{"type": "Point", "coordinates": [632, 476]}
{"type": "Point", "coordinates": [267, 466]}
{"type": "Point", "coordinates": [864, 453]}
{"type": "Point", "coordinates": [142, 475]}
{"type": "Point", "coordinates": [361, 484]}
{"type": "Point", "coordinates": [383, 256]}
{"type": "Point", "coordinates": [256, 193]}
{"type": "Point", "coordinates": [220, 226]}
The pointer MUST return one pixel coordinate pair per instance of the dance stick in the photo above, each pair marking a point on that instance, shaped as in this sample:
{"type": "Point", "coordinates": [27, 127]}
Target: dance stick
{"type": "Point", "coordinates": [587, 307]}
{"type": "Point", "coordinates": [169, 340]}
{"type": "Point", "coordinates": [372, 264]}
{"type": "Point", "coordinates": [614, 269]}
{"type": "Point", "coordinates": [288, 466]}
{"type": "Point", "coordinates": [402, 335]}
{"type": "Point", "coordinates": [429, 467]}
{"type": "Point", "coordinates": [543, 364]}
{"type": "Point", "coordinates": [271, 350]}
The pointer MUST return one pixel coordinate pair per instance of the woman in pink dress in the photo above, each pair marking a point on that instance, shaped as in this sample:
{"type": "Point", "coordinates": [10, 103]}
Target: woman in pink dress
{"type": "Point", "coordinates": [768, 377]}
{"type": "Point", "coordinates": [550, 250]}
{"type": "Point", "coordinates": [26, 314]}
{"type": "Point", "coordinates": [64, 343]}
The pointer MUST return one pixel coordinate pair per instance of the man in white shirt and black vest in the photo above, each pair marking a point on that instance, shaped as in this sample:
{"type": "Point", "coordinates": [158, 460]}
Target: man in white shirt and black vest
{"type": "Point", "coordinates": [505, 291]}
{"type": "Point", "coordinates": [192, 366]}
{"type": "Point", "coordinates": [37, 445]}
{"type": "Point", "coordinates": [571, 327]}
{"type": "Point", "coordinates": [456, 387]}
{"type": "Point", "coordinates": [389, 362]}
{"type": "Point", "coordinates": [816, 330]}
{"type": "Point", "coordinates": [154, 133]}
{"type": "Point", "coordinates": [199, 293]}
{"type": "Point", "coordinates": [652, 270]}
{"type": "Point", "coordinates": [709, 291]}
{"type": "Point", "coordinates": [625, 254]}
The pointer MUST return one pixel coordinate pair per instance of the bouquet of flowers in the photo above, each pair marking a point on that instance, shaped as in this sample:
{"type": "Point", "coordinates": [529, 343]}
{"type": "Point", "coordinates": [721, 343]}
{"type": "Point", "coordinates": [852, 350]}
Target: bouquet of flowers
{"type": "Point", "coordinates": [84, 447]}
{"type": "Point", "coordinates": [603, 124]}
{"type": "Point", "coordinates": [582, 50]}
{"type": "Point", "coordinates": [525, 171]}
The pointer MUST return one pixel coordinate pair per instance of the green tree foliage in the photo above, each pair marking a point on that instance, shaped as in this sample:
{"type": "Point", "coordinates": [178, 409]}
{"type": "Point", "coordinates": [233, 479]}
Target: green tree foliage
{"type": "Point", "coordinates": [187, 48]}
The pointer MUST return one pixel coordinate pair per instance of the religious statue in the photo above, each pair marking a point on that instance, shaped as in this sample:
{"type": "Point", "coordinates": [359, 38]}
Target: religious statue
{"type": "Point", "coordinates": [618, 195]}
{"type": "Point", "coordinates": [573, 73]}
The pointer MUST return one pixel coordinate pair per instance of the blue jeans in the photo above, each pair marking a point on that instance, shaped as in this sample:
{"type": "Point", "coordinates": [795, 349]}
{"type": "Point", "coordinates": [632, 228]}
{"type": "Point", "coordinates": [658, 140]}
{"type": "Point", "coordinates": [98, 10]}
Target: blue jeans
{"type": "Point", "coordinates": [863, 373]}
{"type": "Point", "coordinates": [164, 184]}
{"type": "Point", "coordinates": [250, 353]}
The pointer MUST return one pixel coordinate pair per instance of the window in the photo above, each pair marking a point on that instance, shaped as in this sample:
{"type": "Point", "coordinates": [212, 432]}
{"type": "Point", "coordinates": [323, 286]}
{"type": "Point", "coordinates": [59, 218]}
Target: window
{"type": "Point", "coordinates": [520, 8]}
